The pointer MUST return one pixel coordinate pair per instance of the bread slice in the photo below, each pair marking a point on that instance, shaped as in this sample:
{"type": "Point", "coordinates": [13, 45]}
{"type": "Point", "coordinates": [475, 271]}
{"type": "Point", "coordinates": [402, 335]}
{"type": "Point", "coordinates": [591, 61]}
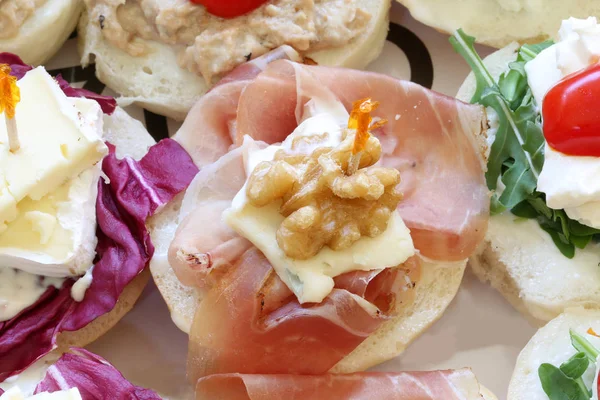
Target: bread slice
{"type": "Point", "coordinates": [44, 33]}
{"type": "Point", "coordinates": [520, 260]}
{"type": "Point", "coordinates": [156, 81]}
{"type": "Point", "coordinates": [497, 23]}
{"type": "Point", "coordinates": [551, 344]}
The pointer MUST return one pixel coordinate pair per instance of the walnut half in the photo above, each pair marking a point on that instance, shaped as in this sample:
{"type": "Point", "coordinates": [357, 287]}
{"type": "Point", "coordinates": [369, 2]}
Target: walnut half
{"type": "Point", "coordinates": [323, 205]}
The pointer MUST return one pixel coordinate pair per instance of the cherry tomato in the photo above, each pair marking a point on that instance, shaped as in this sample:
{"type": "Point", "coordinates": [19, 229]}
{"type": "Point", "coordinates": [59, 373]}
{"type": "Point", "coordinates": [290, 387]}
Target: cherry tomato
{"type": "Point", "coordinates": [230, 8]}
{"type": "Point", "coordinates": [571, 112]}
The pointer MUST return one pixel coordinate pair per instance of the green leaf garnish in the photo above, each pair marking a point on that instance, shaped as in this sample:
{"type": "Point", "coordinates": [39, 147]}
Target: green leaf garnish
{"type": "Point", "coordinates": [576, 366]}
{"type": "Point", "coordinates": [517, 154]}
{"type": "Point", "coordinates": [584, 346]}
{"type": "Point", "coordinates": [521, 178]}
{"type": "Point", "coordinates": [559, 386]}
{"type": "Point", "coordinates": [566, 382]}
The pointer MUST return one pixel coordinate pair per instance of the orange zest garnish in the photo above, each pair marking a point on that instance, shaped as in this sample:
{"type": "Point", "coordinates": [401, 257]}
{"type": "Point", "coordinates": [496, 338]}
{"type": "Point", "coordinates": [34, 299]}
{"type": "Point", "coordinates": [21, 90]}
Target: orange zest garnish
{"type": "Point", "coordinates": [9, 92]}
{"type": "Point", "coordinates": [591, 332]}
{"type": "Point", "coordinates": [360, 119]}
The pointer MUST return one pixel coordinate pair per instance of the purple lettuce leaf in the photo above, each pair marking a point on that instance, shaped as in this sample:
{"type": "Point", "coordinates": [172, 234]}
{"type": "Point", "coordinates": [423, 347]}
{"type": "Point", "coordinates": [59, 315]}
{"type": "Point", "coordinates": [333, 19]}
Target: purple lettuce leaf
{"type": "Point", "coordinates": [19, 69]}
{"type": "Point", "coordinates": [136, 191]}
{"type": "Point", "coordinates": [95, 378]}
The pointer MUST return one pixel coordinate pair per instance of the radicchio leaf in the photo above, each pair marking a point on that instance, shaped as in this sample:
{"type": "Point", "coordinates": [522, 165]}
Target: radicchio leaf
{"type": "Point", "coordinates": [136, 191]}
{"type": "Point", "coordinates": [19, 69]}
{"type": "Point", "coordinates": [95, 378]}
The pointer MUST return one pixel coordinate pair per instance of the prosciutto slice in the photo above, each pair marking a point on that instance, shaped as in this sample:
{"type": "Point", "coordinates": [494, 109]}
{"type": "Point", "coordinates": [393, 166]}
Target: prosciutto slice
{"type": "Point", "coordinates": [209, 129]}
{"type": "Point", "coordinates": [249, 324]}
{"type": "Point", "coordinates": [435, 385]}
{"type": "Point", "coordinates": [430, 138]}
{"type": "Point", "coordinates": [248, 315]}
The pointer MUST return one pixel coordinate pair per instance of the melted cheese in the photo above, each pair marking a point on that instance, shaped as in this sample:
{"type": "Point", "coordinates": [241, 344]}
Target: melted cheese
{"type": "Point", "coordinates": [19, 290]}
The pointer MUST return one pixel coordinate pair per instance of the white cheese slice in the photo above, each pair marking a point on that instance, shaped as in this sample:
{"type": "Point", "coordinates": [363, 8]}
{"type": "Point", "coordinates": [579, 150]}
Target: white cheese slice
{"type": "Point", "coordinates": [57, 143]}
{"type": "Point", "coordinates": [16, 394]}
{"type": "Point", "coordinates": [312, 280]}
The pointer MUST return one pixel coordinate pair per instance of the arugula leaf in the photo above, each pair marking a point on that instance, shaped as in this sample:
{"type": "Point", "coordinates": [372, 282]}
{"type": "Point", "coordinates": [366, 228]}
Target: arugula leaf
{"type": "Point", "coordinates": [566, 382]}
{"type": "Point", "coordinates": [517, 154]}
{"type": "Point", "coordinates": [559, 386]}
{"type": "Point", "coordinates": [521, 178]}
{"type": "Point", "coordinates": [565, 233]}
{"type": "Point", "coordinates": [576, 366]}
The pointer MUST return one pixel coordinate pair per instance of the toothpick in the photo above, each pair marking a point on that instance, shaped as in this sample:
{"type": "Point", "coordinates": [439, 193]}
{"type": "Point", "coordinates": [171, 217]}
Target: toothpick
{"type": "Point", "coordinates": [10, 95]}
{"type": "Point", "coordinates": [13, 135]}
{"type": "Point", "coordinates": [354, 163]}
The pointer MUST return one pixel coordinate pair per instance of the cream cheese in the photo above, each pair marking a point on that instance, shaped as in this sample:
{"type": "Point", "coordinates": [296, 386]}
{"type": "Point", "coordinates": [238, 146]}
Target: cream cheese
{"type": "Point", "coordinates": [569, 182]}
{"type": "Point", "coordinates": [80, 287]}
{"type": "Point", "coordinates": [311, 280]}
{"type": "Point", "coordinates": [19, 290]}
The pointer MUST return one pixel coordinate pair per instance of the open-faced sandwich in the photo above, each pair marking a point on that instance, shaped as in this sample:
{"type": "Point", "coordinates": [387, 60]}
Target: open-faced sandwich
{"type": "Point", "coordinates": [74, 375]}
{"type": "Point", "coordinates": [541, 250]}
{"type": "Point", "coordinates": [561, 361]}
{"type": "Point", "coordinates": [323, 233]}
{"type": "Point", "coordinates": [500, 22]}
{"type": "Point", "coordinates": [79, 178]}
{"type": "Point", "coordinates": [163, 55]}
{"type": "Point", "coordinates": [36, 29]}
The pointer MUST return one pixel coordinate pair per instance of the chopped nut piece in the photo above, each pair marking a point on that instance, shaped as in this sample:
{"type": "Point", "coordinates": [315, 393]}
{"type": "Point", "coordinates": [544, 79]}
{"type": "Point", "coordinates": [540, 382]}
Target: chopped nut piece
{"type": "Point", "coordinates": [323, 205]}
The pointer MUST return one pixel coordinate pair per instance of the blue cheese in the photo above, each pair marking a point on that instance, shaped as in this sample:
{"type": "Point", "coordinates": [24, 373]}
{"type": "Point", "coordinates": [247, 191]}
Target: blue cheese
{"type": "Point", "coordinates": [311, 280]}
{"type": "Point", "coordinates": [57, 144]}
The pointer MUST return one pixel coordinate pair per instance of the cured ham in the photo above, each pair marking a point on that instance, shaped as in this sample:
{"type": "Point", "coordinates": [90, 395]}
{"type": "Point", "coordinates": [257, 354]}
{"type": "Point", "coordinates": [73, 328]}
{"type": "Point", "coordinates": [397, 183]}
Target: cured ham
{"type": "Point", "coordinates": [209, 129]}
{"type": "Point", "coordinates": [250, 334]}
{"type": "Point", "coordinates": [248, 315]}
{"type": "Point", "coordinates": [430, 138]}
{"type": "Point", "coordinates": [435, 385]}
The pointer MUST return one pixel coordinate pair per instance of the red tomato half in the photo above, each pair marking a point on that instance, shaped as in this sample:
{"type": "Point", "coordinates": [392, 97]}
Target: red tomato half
{"type": "Point", "coordinates": [571, 114]}
{"type": "Point", "coordinates": [230, 8]}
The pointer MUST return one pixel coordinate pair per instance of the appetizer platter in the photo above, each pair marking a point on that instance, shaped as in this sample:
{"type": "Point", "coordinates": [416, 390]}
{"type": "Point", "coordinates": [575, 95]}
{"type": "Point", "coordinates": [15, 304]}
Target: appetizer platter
{"type": "Point", "coordinates": [262, 199]}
